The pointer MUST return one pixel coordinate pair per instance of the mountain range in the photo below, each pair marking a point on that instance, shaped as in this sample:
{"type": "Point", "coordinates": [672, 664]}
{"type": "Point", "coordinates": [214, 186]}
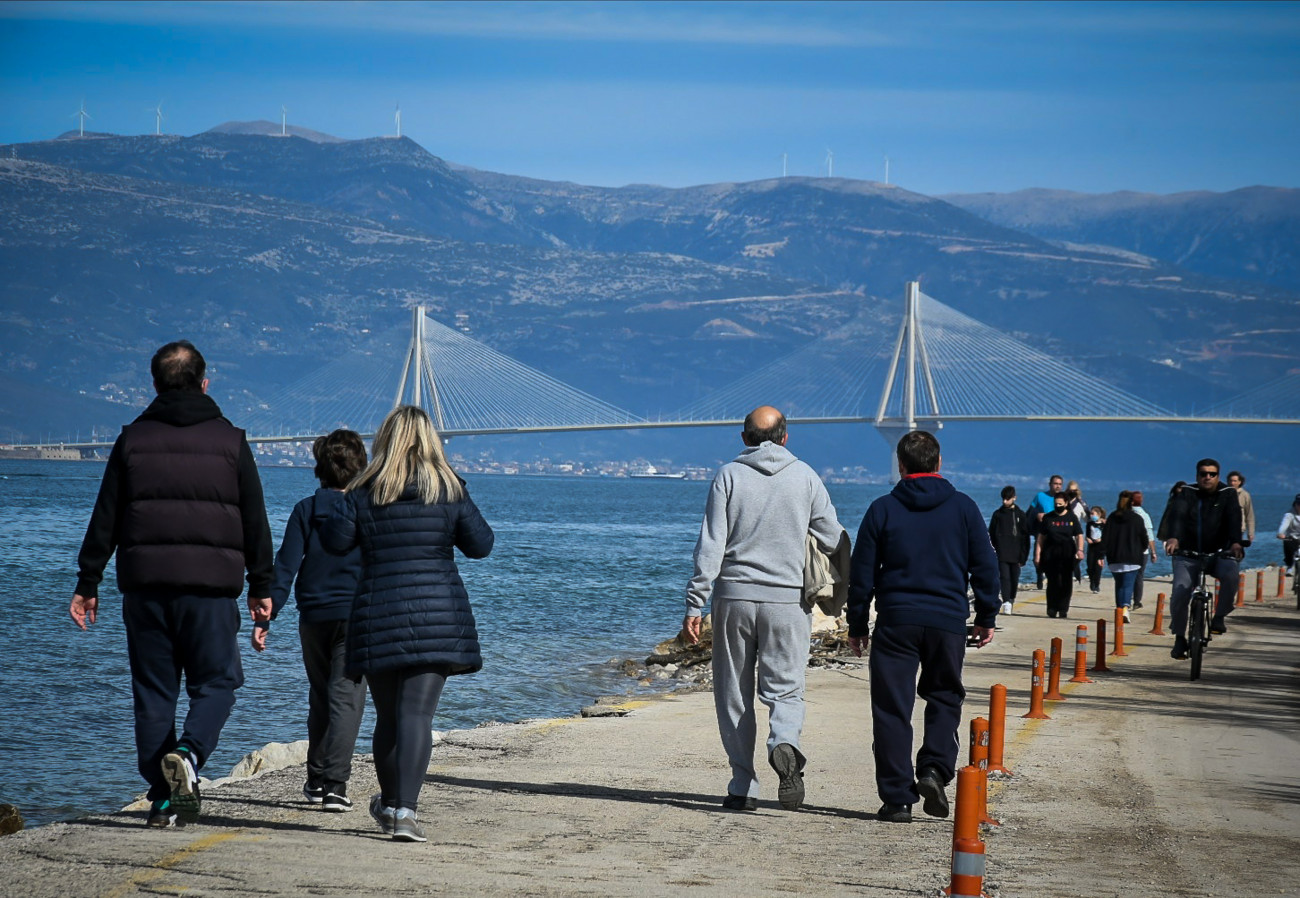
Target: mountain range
{"type": "Point", "coordinates": [277, 254]}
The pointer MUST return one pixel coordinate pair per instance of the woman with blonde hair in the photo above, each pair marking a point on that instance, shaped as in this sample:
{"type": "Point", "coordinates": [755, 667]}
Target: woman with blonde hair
{"type": "Point", "coordinates": [411, 625]}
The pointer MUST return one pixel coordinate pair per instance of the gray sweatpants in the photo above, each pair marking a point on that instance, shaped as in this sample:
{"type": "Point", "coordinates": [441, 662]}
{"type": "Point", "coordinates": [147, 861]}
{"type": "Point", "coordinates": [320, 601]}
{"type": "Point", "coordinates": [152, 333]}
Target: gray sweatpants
{"type": "Point", "coordinates": [770, 640]}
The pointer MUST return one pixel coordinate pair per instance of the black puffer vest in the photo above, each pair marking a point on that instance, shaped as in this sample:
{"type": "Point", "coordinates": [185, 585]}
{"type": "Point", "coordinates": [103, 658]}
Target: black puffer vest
{"type": "Point", "coordinates": [181, 529]}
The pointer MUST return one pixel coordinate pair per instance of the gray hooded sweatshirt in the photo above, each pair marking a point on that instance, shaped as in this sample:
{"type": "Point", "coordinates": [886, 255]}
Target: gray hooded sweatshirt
{"type": "Point", "coordinates": [761, 507]}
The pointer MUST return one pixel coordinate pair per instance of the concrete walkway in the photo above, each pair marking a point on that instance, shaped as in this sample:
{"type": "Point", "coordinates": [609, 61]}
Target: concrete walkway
{"type": "Point", "coordinates": [1142, 783]}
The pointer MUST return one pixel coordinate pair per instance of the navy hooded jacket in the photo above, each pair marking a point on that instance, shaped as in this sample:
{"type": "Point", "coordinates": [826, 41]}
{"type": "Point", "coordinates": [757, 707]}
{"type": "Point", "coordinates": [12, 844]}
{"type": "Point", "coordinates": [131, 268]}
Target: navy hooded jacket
{"type": "Point", "coordinates": [916, 550]}
{"type": "Point", "coordinates": [325, 583]}
{"type": "Point", "coordinates": [411, 608]}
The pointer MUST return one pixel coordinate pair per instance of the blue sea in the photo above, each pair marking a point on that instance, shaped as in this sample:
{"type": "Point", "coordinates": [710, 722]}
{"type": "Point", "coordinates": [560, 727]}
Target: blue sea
{"type": "Point", "coordinates": [586, 571]}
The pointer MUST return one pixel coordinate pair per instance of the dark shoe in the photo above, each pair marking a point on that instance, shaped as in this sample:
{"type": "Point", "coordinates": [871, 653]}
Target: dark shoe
{"type": "Point", "coordinates": [336, 800]}
{"type": "Point", "coordinates": [1051, 614]}
{"type": "Point", "coordinates": [1137, 605]}
{"type": "Point", "coordinates": [1063, 615]}
{"type": "Point", "coordinates": [785, 761]}
{"type": "Point", "coordinates": [178, 770]}
{"type": "Point", "coordinates": [384, 815]}
{"type": "Point", "coordinates": [931, 787]}
{"type": "Point", "coordinates": [1217, 626]}
{"type": "Point", "coordinates": [406, 827]}
{"type": "Point", "coordinates": [313, 794]}
{"type": "Point", "coordinates": [740, 803]}
{"type": "Point", "coordinates": [1179, 651]}
{"type": "Point", "coordinates": [161, 814]}
{"type": "Point", "coordinates": [895, 813]}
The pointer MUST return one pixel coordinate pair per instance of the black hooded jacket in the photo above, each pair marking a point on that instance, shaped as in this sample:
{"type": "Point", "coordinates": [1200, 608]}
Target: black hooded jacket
{"type": "Point", "coordinates": [181, 504]}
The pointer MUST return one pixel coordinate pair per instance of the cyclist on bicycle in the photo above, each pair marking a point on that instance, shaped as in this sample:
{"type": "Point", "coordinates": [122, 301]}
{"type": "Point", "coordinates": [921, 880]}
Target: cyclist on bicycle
{"type": "Point", "coordinates": [1204, 519]}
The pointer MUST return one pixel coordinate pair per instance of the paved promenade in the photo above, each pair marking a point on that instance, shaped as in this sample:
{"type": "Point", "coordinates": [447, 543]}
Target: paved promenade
{"type": "Point", "coordinates": [1141, 784]}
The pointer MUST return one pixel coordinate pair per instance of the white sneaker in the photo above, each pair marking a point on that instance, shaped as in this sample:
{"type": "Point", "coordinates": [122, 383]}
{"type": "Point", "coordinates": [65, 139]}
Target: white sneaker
{"type": "Point", "coordinates": [1126, 620]}
{"type": "Point", "coordinates": [1005, 609]}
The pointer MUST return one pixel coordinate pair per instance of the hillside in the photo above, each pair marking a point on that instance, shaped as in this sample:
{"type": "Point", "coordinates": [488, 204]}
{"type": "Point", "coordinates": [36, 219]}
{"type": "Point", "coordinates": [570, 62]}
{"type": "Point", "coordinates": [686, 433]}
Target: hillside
{"type": "Point", "coordinates": [1249, 234]}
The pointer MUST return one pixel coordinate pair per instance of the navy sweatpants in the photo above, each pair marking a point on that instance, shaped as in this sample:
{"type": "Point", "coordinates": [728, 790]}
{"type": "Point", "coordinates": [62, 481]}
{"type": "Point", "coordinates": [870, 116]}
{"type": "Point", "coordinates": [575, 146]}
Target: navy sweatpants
{"type": "Point", "coordinates": [171, 635]}
{"type": "Point", "coordinates": [896, 655]}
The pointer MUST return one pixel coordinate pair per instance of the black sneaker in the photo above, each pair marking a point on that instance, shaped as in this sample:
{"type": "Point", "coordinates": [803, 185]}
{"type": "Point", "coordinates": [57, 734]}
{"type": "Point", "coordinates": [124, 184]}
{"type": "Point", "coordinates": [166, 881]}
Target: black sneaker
{"type": "Point", "coordinates": [178, 770]}
{"type": "Point", "coordinates": [740, 803]}
{"type": "Point", "coordinates": [785, 761]}
{"type": "Point", "coordinates": [385, 816]}
{"type": "Point", "coordinates": [1179, 651]}
{"type": "Point", "coordinates": [161, 814]}
{"type": "Point", "coordinates": [931, 786]}
{"type": "Point", "coordinates": [314, 794]}
{"type": "Point", "coordinates": [1137, 605]}
{"type": "Point", "coordinates": [1217, 626]}
{"type": "Point", "coordinates": [895, 813]}
{"type": "Point", "coordinates": [336, 800]}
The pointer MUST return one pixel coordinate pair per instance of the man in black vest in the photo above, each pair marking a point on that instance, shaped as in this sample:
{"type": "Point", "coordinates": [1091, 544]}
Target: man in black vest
{"type": "Point", "coordinates": [181, 504]}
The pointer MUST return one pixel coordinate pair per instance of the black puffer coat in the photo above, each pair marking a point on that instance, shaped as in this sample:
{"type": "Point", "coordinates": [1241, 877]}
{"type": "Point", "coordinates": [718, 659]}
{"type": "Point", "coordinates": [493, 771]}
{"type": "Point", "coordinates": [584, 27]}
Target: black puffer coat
{"type": "Point", "coordinates": [411, 608]}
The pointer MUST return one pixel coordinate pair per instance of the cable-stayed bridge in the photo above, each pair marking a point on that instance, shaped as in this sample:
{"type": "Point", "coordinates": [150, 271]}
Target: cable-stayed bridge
{"type": "Point", "coordinates": [938, 366]}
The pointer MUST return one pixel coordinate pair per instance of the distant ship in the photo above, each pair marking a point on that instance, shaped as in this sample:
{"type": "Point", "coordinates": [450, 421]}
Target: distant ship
{"type": "Point", "coordinates": [653, 473]}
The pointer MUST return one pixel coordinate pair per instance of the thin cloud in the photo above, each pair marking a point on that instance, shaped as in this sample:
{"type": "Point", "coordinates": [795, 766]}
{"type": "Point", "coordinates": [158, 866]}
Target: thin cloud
{"type": "Point", "coordinates": [807, 24]}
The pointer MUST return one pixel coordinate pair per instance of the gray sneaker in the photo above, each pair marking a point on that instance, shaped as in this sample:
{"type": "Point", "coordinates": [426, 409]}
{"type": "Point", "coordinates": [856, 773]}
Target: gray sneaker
{"type": "Point", "coordinates": [406, 828]}
{"type": "Point", "coordinates": [178, 770]}
{"type": "Point", "coordinates": [384, 815]}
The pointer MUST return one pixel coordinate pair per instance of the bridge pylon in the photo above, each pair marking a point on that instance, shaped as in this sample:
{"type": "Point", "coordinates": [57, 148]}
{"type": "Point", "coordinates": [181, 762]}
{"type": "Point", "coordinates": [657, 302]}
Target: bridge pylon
{"type": "Point", "coordinates": [910, 351]}
{"type": "Point", "coordinates": [417, 380]}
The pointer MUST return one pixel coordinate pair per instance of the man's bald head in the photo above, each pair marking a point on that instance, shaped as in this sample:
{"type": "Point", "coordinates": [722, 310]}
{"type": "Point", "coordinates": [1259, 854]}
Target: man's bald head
{"type": "Point", "coordinates": [764, 424]}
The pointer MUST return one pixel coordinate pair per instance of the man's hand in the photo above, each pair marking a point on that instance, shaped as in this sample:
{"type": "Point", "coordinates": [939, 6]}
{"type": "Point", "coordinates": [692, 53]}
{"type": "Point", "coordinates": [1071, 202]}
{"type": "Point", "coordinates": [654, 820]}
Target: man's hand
{"type": "Point", "coordinates": [984, 635]}
{"type": "Point", "coordinates": [259, 609]}
{"type": "Point", "coordinates": [691, 625]}
{"type": "Point", "coordinates": [83, 610]}
{"type": "Point", "coordinates": [1171, 546]}
{"type": "Point", "coordinates": [259, 637]}
{"type": "Point", "coordinates": [1236, 551]}
{"type": "Point", "coordinates": [858, 644]}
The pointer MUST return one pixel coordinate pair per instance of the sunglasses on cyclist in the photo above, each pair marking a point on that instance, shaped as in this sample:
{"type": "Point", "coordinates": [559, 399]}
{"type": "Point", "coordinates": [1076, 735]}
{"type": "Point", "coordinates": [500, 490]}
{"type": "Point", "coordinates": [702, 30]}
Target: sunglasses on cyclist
{"type": "Point", "coordinates": [1207, 473]}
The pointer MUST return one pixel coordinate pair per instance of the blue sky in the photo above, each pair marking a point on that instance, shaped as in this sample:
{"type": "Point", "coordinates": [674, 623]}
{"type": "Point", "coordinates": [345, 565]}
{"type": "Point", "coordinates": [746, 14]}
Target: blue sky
{"type": "Point", "coordinates": [961, 97]}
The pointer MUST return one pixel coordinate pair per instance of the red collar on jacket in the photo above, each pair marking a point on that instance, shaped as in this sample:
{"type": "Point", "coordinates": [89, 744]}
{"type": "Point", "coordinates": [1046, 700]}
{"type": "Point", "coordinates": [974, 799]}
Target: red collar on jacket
{"type": "Point", "coordinates": [915, 476]}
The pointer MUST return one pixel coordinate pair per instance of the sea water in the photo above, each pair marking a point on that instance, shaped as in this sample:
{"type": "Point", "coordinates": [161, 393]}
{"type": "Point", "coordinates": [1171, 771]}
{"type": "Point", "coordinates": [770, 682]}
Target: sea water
{"type": "Point", "coordinates": [585, 572]}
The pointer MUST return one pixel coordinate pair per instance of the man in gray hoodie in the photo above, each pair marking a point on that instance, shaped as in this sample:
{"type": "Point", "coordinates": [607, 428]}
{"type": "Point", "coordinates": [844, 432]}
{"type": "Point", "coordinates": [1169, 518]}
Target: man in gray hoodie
{"type": "Point", "coordinates": [749, 560]}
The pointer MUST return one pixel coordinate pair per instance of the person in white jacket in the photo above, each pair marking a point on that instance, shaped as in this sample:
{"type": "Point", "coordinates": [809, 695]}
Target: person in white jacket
{"type": "Point", "coordinates": [1289, 533]}
{"type": "Point", "coordinates": [749, 560]}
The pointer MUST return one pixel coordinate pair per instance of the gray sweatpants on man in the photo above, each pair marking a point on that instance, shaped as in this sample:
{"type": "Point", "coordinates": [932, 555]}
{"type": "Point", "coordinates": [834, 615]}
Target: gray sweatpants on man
{"type": "Point", "coordinates": [763, 644]}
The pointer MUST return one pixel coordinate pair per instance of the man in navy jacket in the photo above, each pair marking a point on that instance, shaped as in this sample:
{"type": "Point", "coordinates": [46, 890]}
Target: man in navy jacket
{"type": "Point", "coordinates": [916, 551]}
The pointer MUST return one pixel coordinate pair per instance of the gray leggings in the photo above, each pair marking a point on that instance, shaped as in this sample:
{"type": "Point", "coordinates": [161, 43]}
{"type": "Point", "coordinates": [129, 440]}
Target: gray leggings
{"type": "Point", "coordinates": [405, 701]}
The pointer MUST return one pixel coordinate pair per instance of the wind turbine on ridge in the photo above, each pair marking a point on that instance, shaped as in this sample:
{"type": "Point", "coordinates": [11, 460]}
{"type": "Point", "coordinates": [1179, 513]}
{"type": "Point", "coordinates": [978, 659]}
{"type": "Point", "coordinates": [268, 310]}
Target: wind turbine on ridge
{"type": "Point", "coordinates": [830, 163]}
{"type": "Point", "coordinates": [157, 111]}
{"type": "Point", "coordinates": [83, 115]}
{"type": "Point", "coordinates": [397, 117]}
{"type": "Point", "coordinates": [284, 121]}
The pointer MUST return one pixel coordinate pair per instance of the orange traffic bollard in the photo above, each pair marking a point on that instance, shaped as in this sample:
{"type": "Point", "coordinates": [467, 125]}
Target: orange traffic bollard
{"type": "Point", "coordinates": [1158, 628]}
{"type": "Point", "coordinates": [1241, 589]}
{"type": "Point", "coordinates": [1119, 634]}
{"type": "Point", "coordinates": [967, 847]}
{"type": "Point", "coordinates": [979, 758]}
{"type": "Point", "coordinates": [1099, 666]}
{"type": "Point", "coordinates": [1081, 654]}
{"type": "Point", "coordinates": [997, 728]}
{"type": "Point", "coordinates": [1054, 673]}
{"type": "Point", "coordinates": [1281, 581]}
{"type": "Point", "coordinates": [1259, 586]}
{"type": "Point", "coordinates": [1036, 711]}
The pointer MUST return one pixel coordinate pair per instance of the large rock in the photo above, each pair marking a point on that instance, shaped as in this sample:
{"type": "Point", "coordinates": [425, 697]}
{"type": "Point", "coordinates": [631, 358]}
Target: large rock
{"type": "Point", "coordinates": [11, 820]}
{"type": "Point", "coordinates": [275, 756]}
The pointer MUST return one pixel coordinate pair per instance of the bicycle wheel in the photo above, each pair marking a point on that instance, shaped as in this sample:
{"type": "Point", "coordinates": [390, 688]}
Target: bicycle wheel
{"type": "Point", "coordinates": [1197, 633]}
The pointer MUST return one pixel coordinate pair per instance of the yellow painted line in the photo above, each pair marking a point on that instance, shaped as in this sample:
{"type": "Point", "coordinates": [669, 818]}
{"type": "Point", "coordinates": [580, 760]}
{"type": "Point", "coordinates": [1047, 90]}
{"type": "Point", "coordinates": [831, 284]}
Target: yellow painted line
{"type": "Point", "coordinates": [1025, 734]}
{"type": "Point", "coordinates": [159, 869]}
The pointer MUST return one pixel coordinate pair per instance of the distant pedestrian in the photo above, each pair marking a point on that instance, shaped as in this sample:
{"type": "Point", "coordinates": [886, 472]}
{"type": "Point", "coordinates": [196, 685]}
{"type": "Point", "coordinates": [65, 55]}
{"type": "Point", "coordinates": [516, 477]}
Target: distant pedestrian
{"type": "Point", "coordinates": [1150, 555]}
{"type": "Point", "coordinates": [749, 561]}
{"type": "Point", "coordinates": [1162, 532]}
{"type": "Point", "coordinates": [1074, 498]}
{"type": "Point", "coordinates": [1057, 550]}
{"type": "Point", "coordinates": [1009, 533]}
{"type": "Point", "coordinates": [323, 585]}
{"type": "Point", "coordinates": [411, 625]}
{"type": "Point", "coordinates": [1237, 481]}
{"type": "Point", "coordinates": [181, 505]}
{"type": "Point", "coordinates": [1289, 533]}
{"type": "Point", "coordinates": [1124, 543]}
{"type": "Point", "coordinates": [918, 550]}
{"type": "Point", "coordinates": [1096, 554]}
{"type": "Point", "coordinates": [1040, 507]}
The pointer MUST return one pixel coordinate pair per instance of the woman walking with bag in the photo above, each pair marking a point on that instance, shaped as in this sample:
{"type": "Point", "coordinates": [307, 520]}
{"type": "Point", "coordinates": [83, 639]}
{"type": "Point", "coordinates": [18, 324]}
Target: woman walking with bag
{"type": "Point", "coordinates": [411, 625]}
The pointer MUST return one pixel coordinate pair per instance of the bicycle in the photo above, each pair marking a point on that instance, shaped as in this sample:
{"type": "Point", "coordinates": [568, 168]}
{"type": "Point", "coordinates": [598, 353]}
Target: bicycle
{"type": "Point", "coordinates": [1199, 614]}
{"type": "Point", "coordinates": [1295, 582]}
